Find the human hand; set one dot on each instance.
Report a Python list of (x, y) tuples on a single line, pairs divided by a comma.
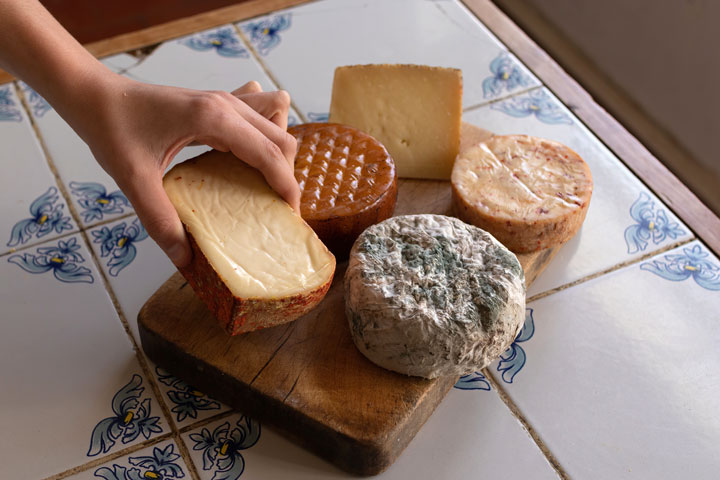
[(139, 128)]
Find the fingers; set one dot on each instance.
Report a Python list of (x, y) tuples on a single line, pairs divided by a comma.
[(260, 151), (274, 106), (267, 102), (158, 216), (250, 87)]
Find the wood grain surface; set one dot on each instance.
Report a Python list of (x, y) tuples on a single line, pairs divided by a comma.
[(306, 379)]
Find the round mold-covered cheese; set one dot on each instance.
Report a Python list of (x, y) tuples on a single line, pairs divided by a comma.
[(528, 192), (347, 182), (429, 295)]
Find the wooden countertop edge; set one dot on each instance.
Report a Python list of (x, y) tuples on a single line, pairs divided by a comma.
[(686, 205), (676, 195)]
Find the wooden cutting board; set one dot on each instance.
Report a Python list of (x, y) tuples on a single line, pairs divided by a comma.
[(306, 379)]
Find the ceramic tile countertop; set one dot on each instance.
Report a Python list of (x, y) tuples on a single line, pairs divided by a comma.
[(614, 375)]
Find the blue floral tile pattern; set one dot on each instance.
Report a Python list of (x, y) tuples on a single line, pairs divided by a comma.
[(318, 117), (513, 360), (692, 263), (651, 225), (223, 40), (96, 202), (131, 418), (118, 243), (506, 75), (9, 110), (537, 103), (221, 449), (265, 34), (38, 104), (63, 260), (473, 381), (161, 465), (292, 121), (188, 400), (46, 215)]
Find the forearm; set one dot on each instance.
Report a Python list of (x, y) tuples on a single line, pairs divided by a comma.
[(37, 49)]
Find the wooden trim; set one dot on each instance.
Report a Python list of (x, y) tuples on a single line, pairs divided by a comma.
[(186, 26), (662, 181), (5, 77)]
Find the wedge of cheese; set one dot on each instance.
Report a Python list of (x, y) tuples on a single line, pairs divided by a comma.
[(256, 263), (414, 110)]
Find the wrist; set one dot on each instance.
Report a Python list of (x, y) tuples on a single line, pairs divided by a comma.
[(85, 95)]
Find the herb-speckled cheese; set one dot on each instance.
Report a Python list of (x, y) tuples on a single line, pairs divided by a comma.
[(429, 295)]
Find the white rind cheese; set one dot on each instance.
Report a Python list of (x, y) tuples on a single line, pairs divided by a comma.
[(258, 246), (429, 295)]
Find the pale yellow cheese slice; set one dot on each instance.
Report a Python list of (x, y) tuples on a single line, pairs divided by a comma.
[(254, 241), (414, 110)]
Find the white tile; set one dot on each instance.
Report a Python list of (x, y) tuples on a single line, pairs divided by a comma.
[(215, 59), (94, 193), (302, 46), (186, 403), (618, 224), (72, 386), (162, 461), (471, 435), (619, 378), (32, 209), (220, 448), (134, 264)]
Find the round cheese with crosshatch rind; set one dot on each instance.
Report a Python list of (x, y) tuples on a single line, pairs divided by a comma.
[(347, 182), (429, 295)]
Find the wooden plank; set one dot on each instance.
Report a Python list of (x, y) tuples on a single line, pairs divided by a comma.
[(185, 26), (698, 217), (88, 21), (306, 379)]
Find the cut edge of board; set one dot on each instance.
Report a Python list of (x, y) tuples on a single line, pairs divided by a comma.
[(344, 451)]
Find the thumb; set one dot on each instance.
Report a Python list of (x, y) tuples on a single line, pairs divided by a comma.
[(159, 218)]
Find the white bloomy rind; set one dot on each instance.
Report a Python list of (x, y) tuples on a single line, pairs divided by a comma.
[(429, 295)]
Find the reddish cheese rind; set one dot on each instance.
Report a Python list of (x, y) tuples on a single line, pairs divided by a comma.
[(347, 179), (241, 315), (529, 193)]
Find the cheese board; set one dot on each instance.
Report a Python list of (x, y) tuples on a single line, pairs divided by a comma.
[(306, 379)]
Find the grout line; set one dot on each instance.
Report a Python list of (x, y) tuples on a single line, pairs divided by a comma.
[(173, 433), (142, 361), (63, 235), (515, 411), (501, 98), (206, 421), (614, 268), (48, 158), (30, 245), (267, 70), (109, 457)]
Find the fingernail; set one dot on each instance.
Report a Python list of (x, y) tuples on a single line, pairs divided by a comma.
[(177, 254)]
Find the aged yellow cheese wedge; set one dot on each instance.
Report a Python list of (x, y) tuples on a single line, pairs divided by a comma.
[(414, 110), (256, 263)]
